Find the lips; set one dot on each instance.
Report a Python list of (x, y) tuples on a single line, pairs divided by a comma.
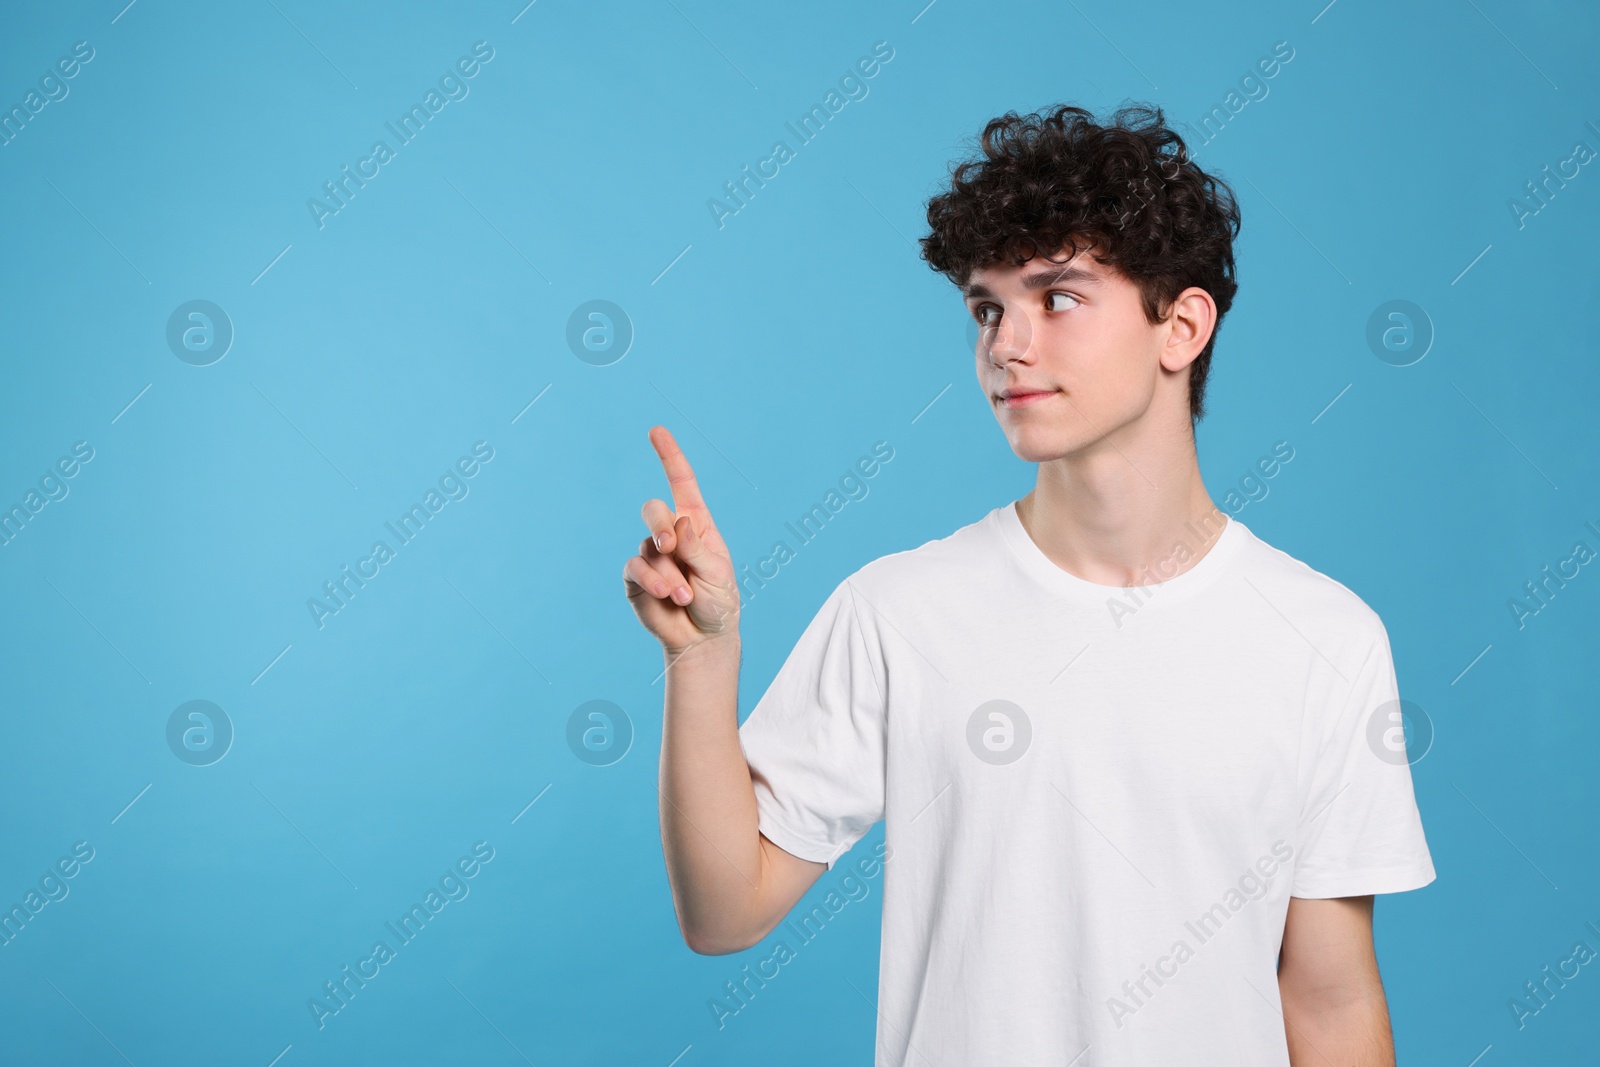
[(1022, 399), (1021, 390)]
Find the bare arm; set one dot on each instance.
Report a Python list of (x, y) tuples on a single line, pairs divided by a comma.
[(1334, 1009), (730, 884)]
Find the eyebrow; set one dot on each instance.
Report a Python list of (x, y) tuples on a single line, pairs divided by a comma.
[(1042, 280)]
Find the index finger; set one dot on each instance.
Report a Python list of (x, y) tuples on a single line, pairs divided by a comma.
[(680, 476)]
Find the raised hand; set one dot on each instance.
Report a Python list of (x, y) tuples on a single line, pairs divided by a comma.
[(682, 583)]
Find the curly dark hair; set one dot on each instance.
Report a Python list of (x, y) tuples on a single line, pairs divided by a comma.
[(1056, 179)]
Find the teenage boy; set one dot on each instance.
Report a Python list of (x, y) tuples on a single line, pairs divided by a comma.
[(1138, 769)]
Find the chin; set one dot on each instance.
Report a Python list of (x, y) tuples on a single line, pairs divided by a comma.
[(1065, 434), (1031, 446)]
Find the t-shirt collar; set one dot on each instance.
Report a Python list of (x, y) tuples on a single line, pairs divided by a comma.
[(1052, 576)]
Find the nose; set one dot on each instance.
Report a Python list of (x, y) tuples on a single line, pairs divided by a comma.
[(1007, 340)]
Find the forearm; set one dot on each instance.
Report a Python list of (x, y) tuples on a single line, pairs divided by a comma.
[(1336, 1029), (709, 828)]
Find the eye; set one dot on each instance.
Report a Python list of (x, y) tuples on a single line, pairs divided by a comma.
[(979, 312), (1068, 296)]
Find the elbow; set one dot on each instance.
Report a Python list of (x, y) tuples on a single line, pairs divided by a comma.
[(724, 942), (703, 945)]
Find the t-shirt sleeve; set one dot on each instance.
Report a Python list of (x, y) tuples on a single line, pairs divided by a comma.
[(1360, 831), (815, 739)]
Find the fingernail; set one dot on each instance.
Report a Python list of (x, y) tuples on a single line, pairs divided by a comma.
[(657, 539), (681, 594)]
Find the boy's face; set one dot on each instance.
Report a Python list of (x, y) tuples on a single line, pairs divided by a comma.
[(1076, 333)]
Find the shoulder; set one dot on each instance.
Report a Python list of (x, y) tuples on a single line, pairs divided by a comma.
[(957, 555), (1306, 595)]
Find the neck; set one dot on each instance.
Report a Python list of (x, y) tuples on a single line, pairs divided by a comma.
[(1123, 514)]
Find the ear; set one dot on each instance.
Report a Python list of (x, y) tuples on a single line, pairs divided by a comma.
[(1190, 323)]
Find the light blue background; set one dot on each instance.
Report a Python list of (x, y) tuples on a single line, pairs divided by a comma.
[(430, 311)]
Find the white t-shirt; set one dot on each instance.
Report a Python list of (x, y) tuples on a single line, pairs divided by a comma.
[(1097, 800)]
